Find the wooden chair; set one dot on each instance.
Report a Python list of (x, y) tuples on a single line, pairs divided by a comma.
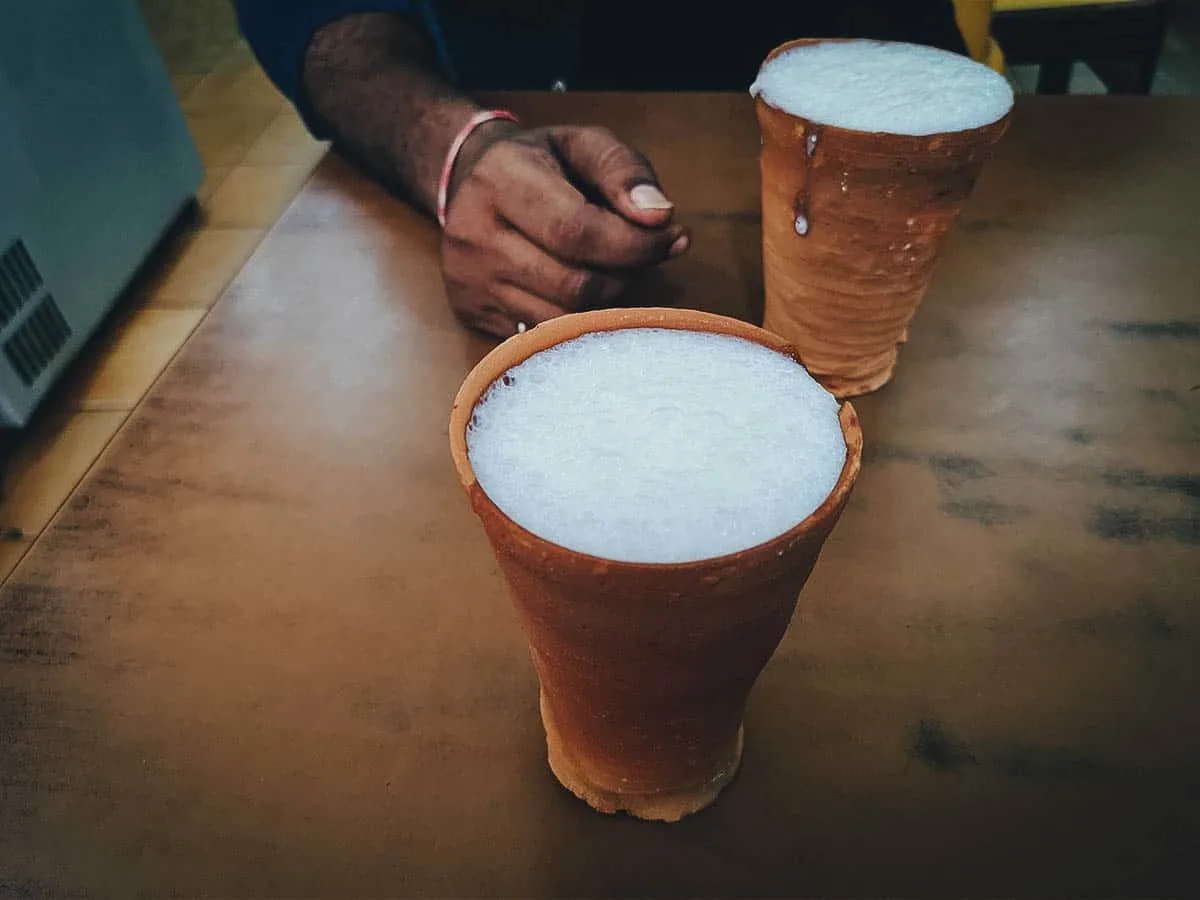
[(975, 23), (1120, 40)]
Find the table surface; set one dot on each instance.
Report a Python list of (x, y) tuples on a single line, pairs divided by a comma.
[(265, 648)]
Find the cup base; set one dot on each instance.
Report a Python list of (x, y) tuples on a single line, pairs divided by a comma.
[(663, 806), (846, 388), (843, 374)]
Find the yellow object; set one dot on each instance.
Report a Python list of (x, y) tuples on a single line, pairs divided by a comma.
[(1014, 5), (974, 19)]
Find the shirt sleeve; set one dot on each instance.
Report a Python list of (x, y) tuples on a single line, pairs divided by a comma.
[(279, 35)]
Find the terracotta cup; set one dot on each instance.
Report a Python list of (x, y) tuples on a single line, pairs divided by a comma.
[(852, 224), (645, 668)]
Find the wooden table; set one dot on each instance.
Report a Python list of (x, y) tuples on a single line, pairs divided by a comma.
[(266, 651)]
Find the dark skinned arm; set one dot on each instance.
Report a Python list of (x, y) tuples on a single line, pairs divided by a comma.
[(522, 242)]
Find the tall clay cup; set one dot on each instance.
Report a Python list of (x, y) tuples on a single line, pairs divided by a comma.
[(644, 668), (852, 224)]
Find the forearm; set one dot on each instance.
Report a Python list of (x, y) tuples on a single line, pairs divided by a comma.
[(373, 80)]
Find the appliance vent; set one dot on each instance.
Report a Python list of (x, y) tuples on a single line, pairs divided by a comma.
[(20, 281), (33, 346)]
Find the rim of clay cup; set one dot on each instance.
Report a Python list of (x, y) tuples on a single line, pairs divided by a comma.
[(914, 139), (515, 350)]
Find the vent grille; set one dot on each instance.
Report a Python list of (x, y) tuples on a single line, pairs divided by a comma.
[(33, 346), (20, 281)]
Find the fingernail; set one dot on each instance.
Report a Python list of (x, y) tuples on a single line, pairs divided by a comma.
[(681, 244), (647, 196)]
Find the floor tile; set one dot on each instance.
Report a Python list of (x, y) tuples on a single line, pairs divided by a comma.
[(193, 35), (196, 272), (183, 82), (1083, 80), (237, 82), (255, 196), (223, 136), (286, 142), (213, 176), (50, 462), (122, 366)]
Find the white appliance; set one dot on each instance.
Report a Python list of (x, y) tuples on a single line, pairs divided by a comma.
[(95, 163)]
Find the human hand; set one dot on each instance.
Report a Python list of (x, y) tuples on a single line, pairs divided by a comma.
[(546, 221)]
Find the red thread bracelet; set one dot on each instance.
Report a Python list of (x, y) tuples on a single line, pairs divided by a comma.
[(480, 118)]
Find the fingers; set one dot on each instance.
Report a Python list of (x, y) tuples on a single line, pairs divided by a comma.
[(621, 174), (489, 320), (530, 268), (505, 311), (522, 244), (523, 308), (544, 206), (496, 307)]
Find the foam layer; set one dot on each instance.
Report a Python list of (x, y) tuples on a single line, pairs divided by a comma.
[(883, 87), (657, 445)]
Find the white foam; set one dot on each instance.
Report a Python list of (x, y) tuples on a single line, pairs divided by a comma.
[(884, 87), (657, 445)]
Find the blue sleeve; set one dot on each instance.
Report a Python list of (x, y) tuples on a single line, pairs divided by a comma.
[(279, 34)]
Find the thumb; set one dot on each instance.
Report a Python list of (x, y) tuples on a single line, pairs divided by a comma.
[(615, 170)]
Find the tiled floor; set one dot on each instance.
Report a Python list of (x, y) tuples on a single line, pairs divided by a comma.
[(257, 155)]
